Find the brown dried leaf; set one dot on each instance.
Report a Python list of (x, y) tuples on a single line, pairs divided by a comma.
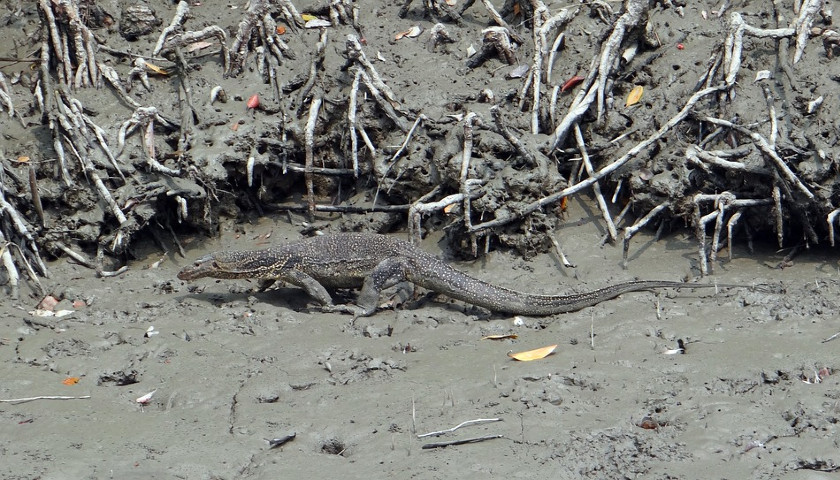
[(635, 95), (500, 337), (536, 354), (156, 69)]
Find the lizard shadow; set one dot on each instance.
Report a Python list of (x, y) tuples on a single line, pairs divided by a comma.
[(297, 300), (290, 298)]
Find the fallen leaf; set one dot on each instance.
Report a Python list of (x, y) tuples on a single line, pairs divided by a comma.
[(761, 75), (500, 337), (281, 30), (307, 17), (533, 354), (198, 46), (253, 101), (48, 303), (146, 398), (635, 95), (23, 159), (571, 83), (448, 209), (519, 71), (71, 380), (156, 69), (317, 23), (410, 33)]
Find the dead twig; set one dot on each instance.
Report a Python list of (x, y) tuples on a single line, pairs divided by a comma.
[(15, 401), (596, 188), (460, 442), (309, 143), (478, 421)]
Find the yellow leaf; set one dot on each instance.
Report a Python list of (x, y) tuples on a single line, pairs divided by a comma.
[(533, 354), (500, 337), (635, 95), (199, 45), (307, 17), (70, 380), (23, 159), (156, 69)]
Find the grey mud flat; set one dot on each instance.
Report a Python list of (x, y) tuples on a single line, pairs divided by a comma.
[(233, 369)]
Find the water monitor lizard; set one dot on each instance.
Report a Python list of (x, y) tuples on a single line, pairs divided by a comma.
[(375, 262)]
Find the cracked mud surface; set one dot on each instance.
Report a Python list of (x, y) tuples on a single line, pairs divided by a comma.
[(233, 369)]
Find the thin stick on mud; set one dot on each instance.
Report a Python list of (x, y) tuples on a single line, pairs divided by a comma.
[(633, 229), (309, 143), (596, 187), (11, 269), (366, 139), (460, 442), (79, 258), (478, 421), (466, 156), (15, 401), (351, 122), (420, 118), (560, 254)]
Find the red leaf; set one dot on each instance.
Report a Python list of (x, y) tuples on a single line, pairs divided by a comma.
[(254, 101), (571, 83)]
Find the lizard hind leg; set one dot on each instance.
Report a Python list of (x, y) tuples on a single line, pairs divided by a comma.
[(386, 274)]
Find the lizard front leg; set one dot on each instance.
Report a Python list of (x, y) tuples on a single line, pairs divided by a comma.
[(387, 273), (309, 284), (316, 291)]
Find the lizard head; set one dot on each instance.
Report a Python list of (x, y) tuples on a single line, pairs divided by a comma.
[(242, 264)]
